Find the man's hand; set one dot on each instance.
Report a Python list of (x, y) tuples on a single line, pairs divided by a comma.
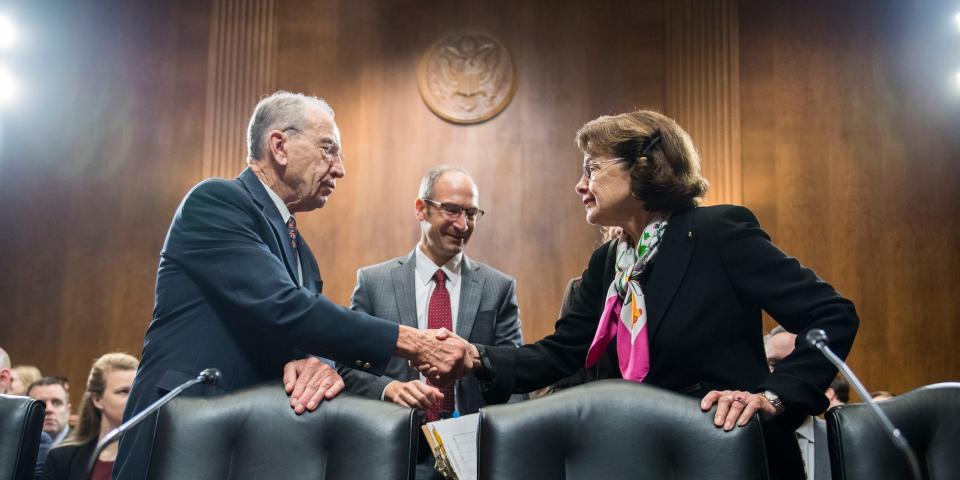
[(735, 407), (432, 351), (413, 394), (309, 382)]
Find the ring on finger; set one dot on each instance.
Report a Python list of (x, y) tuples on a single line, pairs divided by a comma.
[(739, 399)]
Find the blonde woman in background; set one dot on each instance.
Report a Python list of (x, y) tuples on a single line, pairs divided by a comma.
[(21, 378), (101, 411)]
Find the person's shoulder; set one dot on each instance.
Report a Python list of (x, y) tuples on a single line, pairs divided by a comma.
[(718, 216), (217, 187), (383, 267), (490, 272)]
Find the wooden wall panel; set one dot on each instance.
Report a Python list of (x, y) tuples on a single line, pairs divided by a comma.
[(851, 160), (703, 88), (849, 155)]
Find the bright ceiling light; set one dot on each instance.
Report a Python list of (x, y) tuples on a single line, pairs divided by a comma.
[(8, 34), (8, 87), (957, 78), (957, 19)]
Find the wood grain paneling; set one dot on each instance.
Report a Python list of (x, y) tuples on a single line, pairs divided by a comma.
[(240, 70), (849, 153), (851, 160), (703, 88)]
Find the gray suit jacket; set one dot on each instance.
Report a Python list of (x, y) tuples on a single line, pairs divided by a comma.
[(488, 315)]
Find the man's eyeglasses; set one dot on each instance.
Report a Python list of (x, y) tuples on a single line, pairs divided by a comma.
[(329, 149), (453, 210), (591, 168)]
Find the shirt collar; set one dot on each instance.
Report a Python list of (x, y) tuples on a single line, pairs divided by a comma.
[(427, 268), (281, 207), (806, 429)]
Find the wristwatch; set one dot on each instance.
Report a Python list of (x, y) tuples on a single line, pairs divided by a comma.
[(774, 400)]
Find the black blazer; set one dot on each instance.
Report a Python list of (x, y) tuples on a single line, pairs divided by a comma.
[(714, 273), (69, 462), (227, 297)]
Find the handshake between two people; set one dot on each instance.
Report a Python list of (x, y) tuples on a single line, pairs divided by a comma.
[(439, 355)]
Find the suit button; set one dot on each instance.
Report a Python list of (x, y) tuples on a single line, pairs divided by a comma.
[(367, 365)]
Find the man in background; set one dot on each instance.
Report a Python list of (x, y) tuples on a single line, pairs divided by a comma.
[(45, 440), (437, 286), (812, 433), (52, 391)]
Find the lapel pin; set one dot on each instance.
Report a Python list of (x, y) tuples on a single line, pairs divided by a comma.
[(690, 234)]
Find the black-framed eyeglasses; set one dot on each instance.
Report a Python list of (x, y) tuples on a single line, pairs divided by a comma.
[(592, 168), (454, 211), (331, 149)]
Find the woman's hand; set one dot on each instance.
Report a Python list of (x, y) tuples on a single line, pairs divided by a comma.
[(735, 407)]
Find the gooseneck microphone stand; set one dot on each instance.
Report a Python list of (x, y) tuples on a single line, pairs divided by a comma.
[(210, 376), (817, 338)]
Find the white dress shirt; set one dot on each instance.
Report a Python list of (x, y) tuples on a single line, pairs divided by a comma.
[(425, 285)]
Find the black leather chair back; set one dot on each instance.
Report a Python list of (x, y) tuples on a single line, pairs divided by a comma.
[(615, 429), (928, 417), (254, 434), (21, 422)]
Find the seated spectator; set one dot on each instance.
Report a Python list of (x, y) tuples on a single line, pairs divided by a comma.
[(881, 395), (5, 383), (23, 376), (812, 433), (53, 392), (101, 411), (839, 392)]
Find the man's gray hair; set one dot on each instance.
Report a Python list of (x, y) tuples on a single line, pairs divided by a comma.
[(279, 111), (429, 180)]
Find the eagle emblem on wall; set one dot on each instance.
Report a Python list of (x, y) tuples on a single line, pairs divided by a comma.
[(467, 77)]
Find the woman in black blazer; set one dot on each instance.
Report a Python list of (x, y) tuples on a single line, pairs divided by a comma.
[(102, 410), (675, 301)]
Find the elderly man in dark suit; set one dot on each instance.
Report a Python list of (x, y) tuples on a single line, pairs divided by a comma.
[(238, 288), (437, 286)]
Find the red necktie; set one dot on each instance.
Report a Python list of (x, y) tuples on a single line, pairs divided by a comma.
[(439, 316), (292, 232)]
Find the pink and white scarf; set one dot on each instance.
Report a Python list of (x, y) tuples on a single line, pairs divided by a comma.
[(625, 311)]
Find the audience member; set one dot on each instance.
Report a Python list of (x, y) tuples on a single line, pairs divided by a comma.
[(101, 411), (53, 392), (436, 285), (23, 376), (812, 433), (839, 392), (45, 440), (881, 395)]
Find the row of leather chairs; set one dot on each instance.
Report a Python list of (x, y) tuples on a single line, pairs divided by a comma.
[(608, 429)]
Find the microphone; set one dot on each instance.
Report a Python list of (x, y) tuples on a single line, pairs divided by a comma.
[(817, 338), (209, 376)]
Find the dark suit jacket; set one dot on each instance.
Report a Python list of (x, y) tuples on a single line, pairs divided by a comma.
[(69, 462), (227, 297), (714, 273), (488, 314)]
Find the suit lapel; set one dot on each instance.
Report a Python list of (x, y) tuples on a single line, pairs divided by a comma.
[(262, 198), (471, 290), (670, 266), (311, 272), (403, 276)]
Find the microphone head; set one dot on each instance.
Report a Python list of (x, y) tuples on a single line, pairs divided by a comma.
[(210, 376), (817, 338)]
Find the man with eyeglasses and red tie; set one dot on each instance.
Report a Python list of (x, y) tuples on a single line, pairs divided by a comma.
[(437, 286)]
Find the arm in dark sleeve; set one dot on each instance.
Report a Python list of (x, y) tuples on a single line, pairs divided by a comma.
[(797, 299), (214, 239), (521, 370), (358, 381)]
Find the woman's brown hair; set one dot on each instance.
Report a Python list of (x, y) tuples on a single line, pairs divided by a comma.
[(664, 165)]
